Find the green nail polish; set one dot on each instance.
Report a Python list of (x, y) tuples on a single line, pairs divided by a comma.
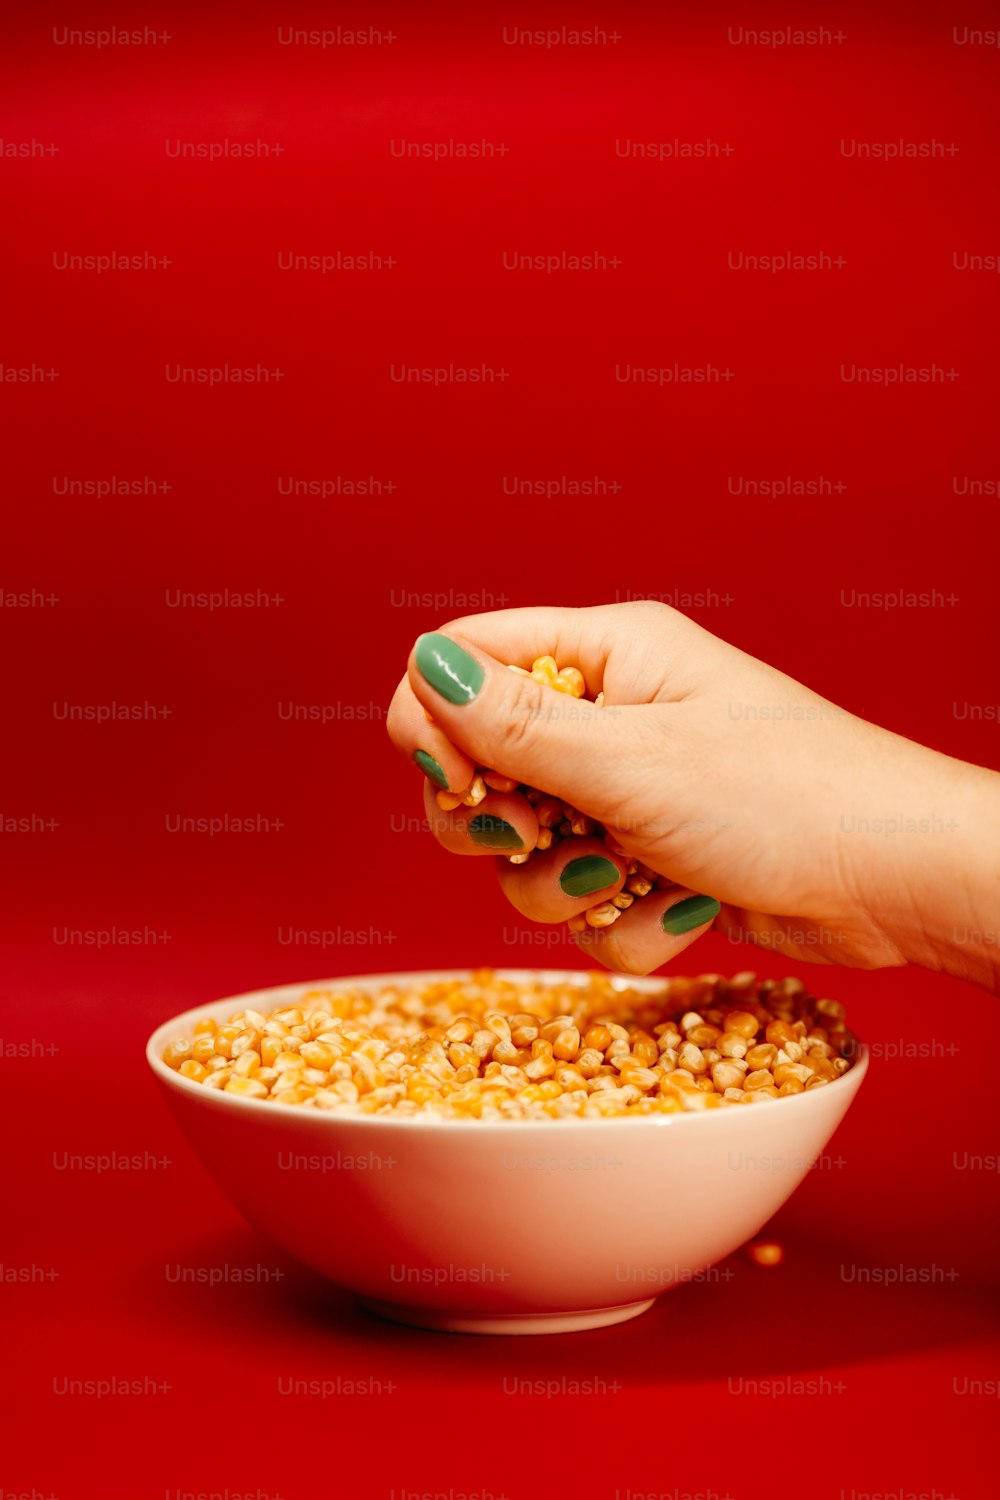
[(494, 833), (590, 873), (431, 769), (688, 914), (451, 671)]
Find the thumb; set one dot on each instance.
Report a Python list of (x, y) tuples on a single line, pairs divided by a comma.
[(511, 724)]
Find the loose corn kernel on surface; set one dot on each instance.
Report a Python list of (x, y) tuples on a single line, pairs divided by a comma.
[(486, 1048)]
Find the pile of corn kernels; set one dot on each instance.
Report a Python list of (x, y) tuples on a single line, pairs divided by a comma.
[(557, 820), (491, 1048)]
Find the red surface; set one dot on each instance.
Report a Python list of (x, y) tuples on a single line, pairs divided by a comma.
[(894, 1193)]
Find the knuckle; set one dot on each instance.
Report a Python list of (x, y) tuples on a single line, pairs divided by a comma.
[(612, 954), (605, 947), (395, 719), (517, 713), (654, 610)]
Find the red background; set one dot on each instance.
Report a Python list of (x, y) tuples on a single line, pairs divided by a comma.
[(340, 634)]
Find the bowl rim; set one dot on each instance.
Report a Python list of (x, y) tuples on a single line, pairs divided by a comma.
[(218, 1099)]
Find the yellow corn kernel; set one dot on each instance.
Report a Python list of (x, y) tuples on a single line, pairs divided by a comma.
[(475, 794), (570, 1078), (299, 1093), (597, 1038), (573, 679), (588, 1061), (680, 1078), (759, 1079), (498, 783), (567, 1044), (646, 1051), (765, 1253), (822, 1067), (726, 1075), (175, 1053), (742, 1023), (318, 1055), (780, 1033), (602, 915), (790, 1073), (692, 1059), (483, 1041), (503, 1050), (763, 1056), (248, 1087), (641, 1078), (290, 1016), (287, 1062), (271, 1048), (549, 813)]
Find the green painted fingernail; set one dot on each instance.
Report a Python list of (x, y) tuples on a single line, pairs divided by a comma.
[(690, 913), (588, 874), (431, 769), (451, 671), (494, 833)]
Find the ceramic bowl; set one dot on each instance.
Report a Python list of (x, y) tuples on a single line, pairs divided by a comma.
[(499, 1226)]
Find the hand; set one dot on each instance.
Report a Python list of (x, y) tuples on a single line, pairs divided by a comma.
[(816, 832)]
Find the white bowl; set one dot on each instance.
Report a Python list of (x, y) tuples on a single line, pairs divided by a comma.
[(515, 1226)]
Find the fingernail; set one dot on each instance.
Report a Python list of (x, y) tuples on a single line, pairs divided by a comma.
[(588, 874), (450, 671), (692, 912), (431, 769), (494, 833)]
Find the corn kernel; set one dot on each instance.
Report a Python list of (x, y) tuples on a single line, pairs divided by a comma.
[(765, 1253), (248, 1087), (492, 1048)]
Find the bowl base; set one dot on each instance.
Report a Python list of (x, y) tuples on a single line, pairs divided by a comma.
[(508, 1323)]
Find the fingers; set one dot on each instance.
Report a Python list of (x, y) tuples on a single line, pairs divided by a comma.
[(503, 823), (423, 742), (563, 882), (586, 755), (575, 637), (631, 644), (651, 932)]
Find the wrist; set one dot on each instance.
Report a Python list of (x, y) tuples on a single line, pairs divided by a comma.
[(954, 887)]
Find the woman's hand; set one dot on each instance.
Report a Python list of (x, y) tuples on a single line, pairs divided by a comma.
[(781, 818)]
